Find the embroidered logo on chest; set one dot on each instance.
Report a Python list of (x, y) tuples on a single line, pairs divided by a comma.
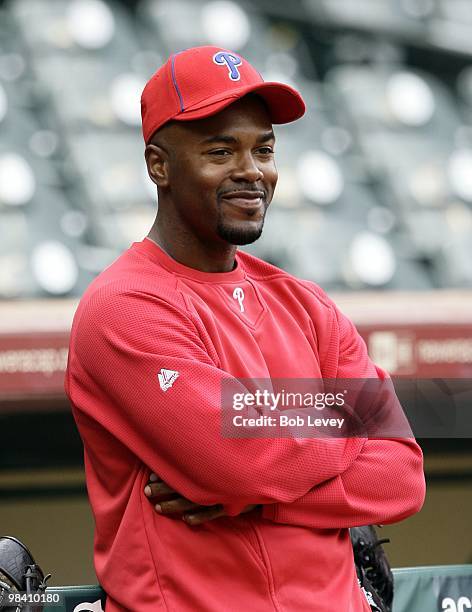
[(238, 294)]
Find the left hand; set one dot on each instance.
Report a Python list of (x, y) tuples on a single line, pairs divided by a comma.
[(169, 501)]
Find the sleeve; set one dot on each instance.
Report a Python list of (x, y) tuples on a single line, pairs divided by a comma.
[(384, 484), (119, 346)]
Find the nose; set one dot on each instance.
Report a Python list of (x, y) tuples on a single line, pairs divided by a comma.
[(246, 169)]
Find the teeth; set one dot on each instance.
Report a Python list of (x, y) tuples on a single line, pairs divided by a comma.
[(244, 197)]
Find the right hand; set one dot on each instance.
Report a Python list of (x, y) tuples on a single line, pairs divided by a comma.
[(168, 501)]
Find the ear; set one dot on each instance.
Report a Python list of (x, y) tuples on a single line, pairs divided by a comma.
[(157, 162)]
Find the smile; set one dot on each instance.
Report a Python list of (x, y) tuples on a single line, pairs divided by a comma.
[(249, 200)]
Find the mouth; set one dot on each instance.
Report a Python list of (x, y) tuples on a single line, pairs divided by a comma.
[(249, 200)]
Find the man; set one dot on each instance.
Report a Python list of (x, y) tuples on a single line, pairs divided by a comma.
[(158, 332)]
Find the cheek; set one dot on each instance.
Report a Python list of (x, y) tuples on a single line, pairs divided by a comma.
[(210, 179), (186, 182), (271, 176), (198, 176)]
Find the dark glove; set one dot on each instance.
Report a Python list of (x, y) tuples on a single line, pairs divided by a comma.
[(19, 573), (373, 568)]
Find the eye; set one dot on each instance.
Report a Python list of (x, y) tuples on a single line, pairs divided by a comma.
[(219, 152), (265, 150)]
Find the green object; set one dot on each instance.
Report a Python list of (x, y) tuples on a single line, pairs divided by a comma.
[(436, 588), (80, 598)]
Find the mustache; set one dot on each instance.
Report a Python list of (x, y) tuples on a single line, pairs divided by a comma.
[(242, 187)]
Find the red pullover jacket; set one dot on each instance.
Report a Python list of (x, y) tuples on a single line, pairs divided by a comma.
[(146, 314)]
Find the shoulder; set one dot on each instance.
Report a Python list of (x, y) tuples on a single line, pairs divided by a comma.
[(280, 281), (126, 289), (338, 341)]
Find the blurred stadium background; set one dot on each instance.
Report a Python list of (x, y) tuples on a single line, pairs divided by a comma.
[(374, 203)]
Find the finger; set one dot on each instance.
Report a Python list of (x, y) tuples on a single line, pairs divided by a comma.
[(157, 489), (209, 514), (176, 505), (153, 477), (197, 518)]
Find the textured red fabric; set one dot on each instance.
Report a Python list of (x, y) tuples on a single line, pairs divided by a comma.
[(147, 312)]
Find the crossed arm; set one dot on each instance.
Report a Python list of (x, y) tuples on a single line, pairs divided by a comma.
[(177, 434), (364, 494)]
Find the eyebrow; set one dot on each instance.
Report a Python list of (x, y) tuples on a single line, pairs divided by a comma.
[(265, 137)]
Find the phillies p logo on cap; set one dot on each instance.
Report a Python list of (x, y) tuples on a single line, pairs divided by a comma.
[(232, 61)]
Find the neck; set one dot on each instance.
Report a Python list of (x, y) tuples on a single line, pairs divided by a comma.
[(193, 253)]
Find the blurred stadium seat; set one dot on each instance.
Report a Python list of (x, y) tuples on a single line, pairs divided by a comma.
[(374, 181), (380, 15)]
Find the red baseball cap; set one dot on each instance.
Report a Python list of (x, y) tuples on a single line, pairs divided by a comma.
[(202, 81)]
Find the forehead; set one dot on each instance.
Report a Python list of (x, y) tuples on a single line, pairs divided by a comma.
[(246, 117)]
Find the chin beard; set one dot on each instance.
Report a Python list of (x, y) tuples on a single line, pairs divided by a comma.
[(239, 235)]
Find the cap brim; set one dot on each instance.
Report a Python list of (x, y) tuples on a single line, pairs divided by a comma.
[(284, 103)]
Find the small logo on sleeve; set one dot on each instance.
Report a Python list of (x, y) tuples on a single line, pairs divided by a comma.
[(167, 378)]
